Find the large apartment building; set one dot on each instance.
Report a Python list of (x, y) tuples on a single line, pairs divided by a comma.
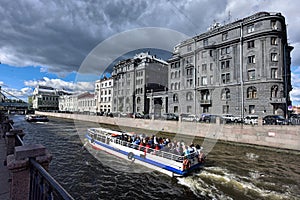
[(239, 68), (134, 78)]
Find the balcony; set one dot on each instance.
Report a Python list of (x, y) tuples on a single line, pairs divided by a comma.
[(205, 102), (275, 100)]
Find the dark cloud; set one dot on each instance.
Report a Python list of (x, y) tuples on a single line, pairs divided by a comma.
[(60, 34)]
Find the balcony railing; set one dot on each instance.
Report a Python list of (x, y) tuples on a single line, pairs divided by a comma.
[(277, 100), (205, 102)]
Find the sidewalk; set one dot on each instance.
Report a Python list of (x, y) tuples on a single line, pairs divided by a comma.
[(4, 172)]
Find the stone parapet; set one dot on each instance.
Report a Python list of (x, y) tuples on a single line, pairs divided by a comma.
[(19, 166), (285, 137)]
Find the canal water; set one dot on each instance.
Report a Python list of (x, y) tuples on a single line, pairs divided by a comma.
[(232, 171)]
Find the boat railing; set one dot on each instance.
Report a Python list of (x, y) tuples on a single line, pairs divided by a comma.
[(159, 153)]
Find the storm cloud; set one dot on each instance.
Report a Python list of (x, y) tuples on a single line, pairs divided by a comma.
[(58, 35)]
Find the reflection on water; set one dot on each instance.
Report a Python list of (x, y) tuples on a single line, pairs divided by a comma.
[(231, 171)]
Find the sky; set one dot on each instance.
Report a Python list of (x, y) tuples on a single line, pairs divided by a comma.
[(52, 42)]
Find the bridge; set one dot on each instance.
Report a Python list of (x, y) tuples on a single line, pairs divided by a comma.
[(10, 106)]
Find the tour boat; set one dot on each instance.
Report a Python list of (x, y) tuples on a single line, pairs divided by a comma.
[(161, 160), (36, 118)]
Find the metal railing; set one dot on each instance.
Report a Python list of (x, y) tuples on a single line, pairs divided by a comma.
[(160, 153), (42, 184)]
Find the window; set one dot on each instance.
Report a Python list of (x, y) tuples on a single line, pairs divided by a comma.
[(189, 71), (250, 28), (225, 94), (189, 96), (274, 41), (251, 109), (176, 86), (225, 78), (172, 75), (274, 73), (210, 66), (223, 51), (204, 80), (175, 97), (274, 57), (204, 67), (189, 60), (189, 109), (225, 64), (274, 91), (225, 36), (225, 109), (251, 44), (211, 53), (175, 109), (172, 86), (138, 100), (251, 92), (273, 24), (203, 54), (189, 82), (251, 59), (251, 74), (205, 42), (189, 47)]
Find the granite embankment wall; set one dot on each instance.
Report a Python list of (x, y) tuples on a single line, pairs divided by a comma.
[(284, 137)]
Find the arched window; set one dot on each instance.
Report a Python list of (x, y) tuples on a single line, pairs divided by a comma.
[(176, 74), (175, 97), (189, 96), (127, 100), (138, 100), (251, 92), (176, 86), (274, 91), (172, 86), (225, 94), (172, 75)]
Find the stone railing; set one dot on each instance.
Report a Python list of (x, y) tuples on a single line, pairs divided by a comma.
[(28, 165)]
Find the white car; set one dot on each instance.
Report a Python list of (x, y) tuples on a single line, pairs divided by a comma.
[(251, 119), (231, 118), (190, 118)]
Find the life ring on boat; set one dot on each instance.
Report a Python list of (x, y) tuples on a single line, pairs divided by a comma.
[(130, 155), (186, 164)]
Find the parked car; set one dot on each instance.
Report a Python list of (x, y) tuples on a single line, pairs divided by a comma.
[(190, 118), (251, 119), (209, 118), (229, 118), (274, 120), (139, 115), (169, 116)]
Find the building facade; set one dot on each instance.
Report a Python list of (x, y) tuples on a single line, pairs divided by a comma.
[(240, 68), (86, 103), (45, 98), (103, 94), (134, 78), (68, 103)]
